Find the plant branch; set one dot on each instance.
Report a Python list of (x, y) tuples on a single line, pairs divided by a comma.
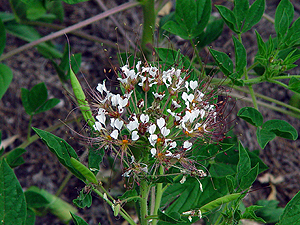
[(71, 28)]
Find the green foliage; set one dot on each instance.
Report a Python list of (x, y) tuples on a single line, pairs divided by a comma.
[(41, 200), (291, 215), (270, 212), (35, 100), (89, 176), (272, 128), (251, 115), (14, 158), (77, 220), (5, 78), (12, 199), (84, 199), (61, 149), (190, 18)]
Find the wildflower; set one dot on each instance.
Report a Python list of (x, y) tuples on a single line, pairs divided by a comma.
[(164, 129)]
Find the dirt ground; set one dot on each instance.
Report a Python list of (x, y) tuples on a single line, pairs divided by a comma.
[(43, 170)]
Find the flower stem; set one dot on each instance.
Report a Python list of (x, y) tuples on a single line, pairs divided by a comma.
[(149, 24), (143, 202), (158, 196)]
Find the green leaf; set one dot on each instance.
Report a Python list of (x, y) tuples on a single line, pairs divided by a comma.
[(213, 30), (250, 213), (244, 164), (56, 206), (2, 37), (35, 100), (191, 17), (49, 104), (131, 195), (248, 179), (283, 16), (223, 61), (283, 26), (30, 218), (14, 158), (35, 10), (291, 213), (172, 218), (5, 78), (254, 14), (240, 11), (229, 17), (273, 128), (178, 196), (270, 212), (240, 57), (12, 199), (251, 115), (84, 171), (294, 85), (61, 149), (95, 158), (84, 199), (293, 35), (262, 48), (77, 220), (35, 199)]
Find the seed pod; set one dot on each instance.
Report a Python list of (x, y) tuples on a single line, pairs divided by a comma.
[(81, 100)]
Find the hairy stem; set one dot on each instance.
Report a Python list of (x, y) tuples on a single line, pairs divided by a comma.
[(148, 26), (144, 201)]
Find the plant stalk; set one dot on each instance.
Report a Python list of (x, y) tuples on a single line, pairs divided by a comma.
[(144, 201), (148, 26), (158, 196)]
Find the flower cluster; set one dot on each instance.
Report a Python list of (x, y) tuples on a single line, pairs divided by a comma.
[(161, 113)]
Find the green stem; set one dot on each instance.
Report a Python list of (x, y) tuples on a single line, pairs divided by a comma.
[(198, 58), (285, 77), (144, 201), (158, 196), (149, 25), (279, 83), (29, 127), (124, 215)]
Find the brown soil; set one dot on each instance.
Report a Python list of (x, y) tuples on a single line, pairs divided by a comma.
[(43, 170)]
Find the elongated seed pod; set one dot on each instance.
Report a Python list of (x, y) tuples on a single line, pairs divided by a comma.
[(81, 100)]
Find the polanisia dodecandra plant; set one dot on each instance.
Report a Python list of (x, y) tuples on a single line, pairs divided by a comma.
[(155, 122)]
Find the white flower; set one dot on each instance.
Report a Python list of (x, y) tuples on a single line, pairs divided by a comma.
[(101, 118), (158, 96), (132, 125), (114, 134), (138, 65), (183, 179), (153, 152), (134, 135), (193, 84), (175, 104), (187, 97), (144, 118), (187, 145), (102, 87), (98, 126), (152, 129), (199, 95), (160, 122), (118, 124), (173, 145), (165, 132), (152, 139)]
